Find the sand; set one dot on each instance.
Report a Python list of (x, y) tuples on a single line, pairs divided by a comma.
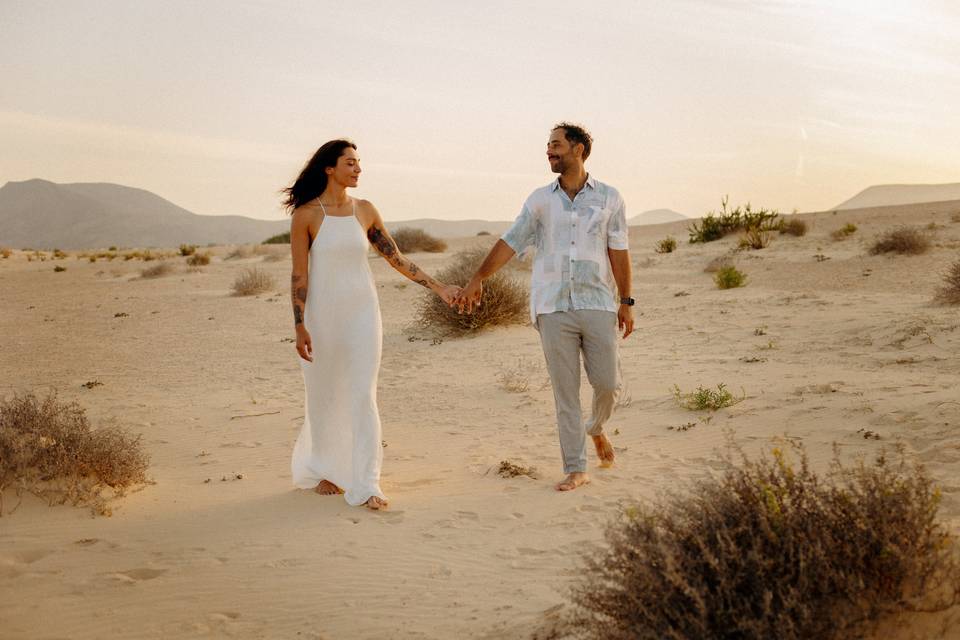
[(821, 350)]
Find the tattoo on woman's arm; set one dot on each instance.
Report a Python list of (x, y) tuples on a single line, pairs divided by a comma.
[(381, 242), (298, 295)]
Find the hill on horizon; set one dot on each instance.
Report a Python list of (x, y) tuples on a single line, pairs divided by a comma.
[(656, 216), (43, 215), (884, 195)]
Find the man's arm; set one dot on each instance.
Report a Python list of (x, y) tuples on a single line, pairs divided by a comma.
[(620, 265), (469, 296)]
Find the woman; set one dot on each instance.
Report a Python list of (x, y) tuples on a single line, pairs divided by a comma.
[(337, 318)]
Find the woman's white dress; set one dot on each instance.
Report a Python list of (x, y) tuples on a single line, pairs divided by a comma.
[(341, 440)]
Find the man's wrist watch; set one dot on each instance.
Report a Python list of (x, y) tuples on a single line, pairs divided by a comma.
[(628, 301)]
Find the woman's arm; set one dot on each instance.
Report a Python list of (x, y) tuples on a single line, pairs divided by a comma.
[(300, 251), (384, 244)]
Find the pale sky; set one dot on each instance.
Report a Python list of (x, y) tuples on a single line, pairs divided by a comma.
[(215, 105)]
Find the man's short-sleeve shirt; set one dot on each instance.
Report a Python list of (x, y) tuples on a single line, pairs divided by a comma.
[(571, 269)]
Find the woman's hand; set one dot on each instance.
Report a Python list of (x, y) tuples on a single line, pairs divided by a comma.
[(448, 293), (304, 343)]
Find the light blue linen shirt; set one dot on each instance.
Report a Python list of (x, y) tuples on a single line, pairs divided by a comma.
[(572, 268)]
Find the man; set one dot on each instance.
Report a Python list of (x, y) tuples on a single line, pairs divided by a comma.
[(579, 228)]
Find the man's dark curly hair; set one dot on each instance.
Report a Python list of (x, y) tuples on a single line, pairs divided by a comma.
[(574, 133)]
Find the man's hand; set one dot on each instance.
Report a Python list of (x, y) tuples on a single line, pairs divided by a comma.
[(469, 296), (625, 319), (304, 343), (448, 293)]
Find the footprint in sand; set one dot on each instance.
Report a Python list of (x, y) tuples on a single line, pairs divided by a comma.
[(133, 576)]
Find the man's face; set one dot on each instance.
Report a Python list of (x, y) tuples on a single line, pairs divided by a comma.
[(347, 171), (560, 153)]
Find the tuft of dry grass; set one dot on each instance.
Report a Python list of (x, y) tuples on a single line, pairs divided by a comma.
[(187, 249), (58, 268), (252, 281), (949, 291), (5, 253), (902, 240), (199, 259), (512, 470), (412, 240), (505, 298), (667, 245), (516, 379), (47, 448), (729, 278), (755, 238), (955, 217), (157, 271), (770, 549), (844, 232), (793, 227)]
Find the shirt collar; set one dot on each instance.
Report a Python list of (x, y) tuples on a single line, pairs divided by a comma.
[(591, 182)]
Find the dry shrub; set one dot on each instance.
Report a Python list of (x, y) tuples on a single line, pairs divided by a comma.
[(252, 281), (902, 240), (844, 232), (771, 550), (755, 238), (510, 469), (5, 253), (505, 298), (187, 249), (156, 271), (411, 240), (516, 379), (483, 233), (955, 217), (729, 278), (667, 245), (949, 291), (199, 259), (793, 227), (47, 448), (59, 268)]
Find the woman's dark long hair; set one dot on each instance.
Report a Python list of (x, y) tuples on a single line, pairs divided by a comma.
[(313, 179)]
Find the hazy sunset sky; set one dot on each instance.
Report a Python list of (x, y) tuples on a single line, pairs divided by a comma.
[(216, 105)]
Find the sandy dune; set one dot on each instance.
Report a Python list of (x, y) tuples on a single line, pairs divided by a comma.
[(848, 343)]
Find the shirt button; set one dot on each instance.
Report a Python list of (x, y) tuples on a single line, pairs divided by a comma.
[(573, 242)]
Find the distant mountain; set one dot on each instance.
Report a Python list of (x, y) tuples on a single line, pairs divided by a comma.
[(452, 228), (655, 216), (44, 215), (885, 195)]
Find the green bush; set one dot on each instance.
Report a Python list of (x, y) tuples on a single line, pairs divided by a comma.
[(729, 277), (770, 550), (714, 225), (844, 232), (702, 398)]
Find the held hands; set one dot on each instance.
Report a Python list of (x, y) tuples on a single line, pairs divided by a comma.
[(469, 297), (448, 293)]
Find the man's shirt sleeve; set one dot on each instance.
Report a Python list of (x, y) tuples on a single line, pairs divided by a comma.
[(617, 230), (522, 233)]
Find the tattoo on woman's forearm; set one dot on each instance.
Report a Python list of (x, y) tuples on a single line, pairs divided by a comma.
[(381, 242), (297, 315), (298, 295)]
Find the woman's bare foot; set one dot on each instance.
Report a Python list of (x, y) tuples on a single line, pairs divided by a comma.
[(376, 503), (327, 488), (572, 481), (604, 450)]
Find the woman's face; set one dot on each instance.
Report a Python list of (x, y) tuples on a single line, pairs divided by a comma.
[(347, 171)]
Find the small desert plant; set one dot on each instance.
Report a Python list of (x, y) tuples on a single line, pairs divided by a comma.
[(238, 253), (770, 549), (504, 301), (844, 232), (667, 245), (702, 398), (483, 233), (252, 281), (59, 268), (949, 291), (410, 240), (187, 249), (199, 259), (902, 240), (729, 278), (755, 238), (280, 238), (5, 253), (58, 255), (48, 448), (510, 469), (793, 227), (156, 271), (516, 379), (714, 226)]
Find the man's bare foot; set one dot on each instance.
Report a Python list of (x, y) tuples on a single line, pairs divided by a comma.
[(572, 481), (376, 504), (327, 488), (604, 450)]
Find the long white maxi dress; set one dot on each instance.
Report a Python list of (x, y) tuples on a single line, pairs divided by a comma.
[(340, 440)]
